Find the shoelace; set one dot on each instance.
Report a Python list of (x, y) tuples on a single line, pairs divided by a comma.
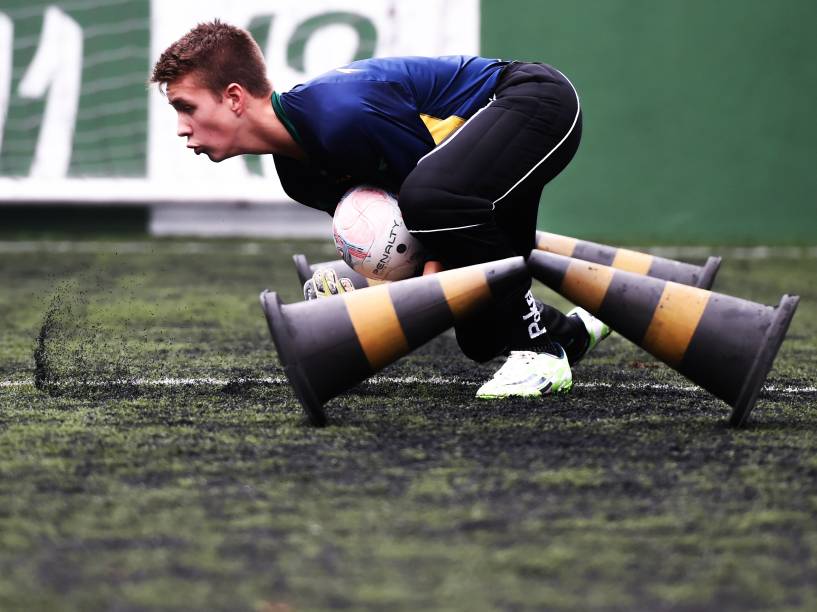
[(517, 359)]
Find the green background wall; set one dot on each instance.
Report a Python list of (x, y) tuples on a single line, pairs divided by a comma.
[(699, 121)]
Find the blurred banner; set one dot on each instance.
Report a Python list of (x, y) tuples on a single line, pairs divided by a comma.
[(697, 115), (78, 122)]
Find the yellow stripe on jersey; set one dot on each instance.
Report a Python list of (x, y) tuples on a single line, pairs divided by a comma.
[(441, 128)]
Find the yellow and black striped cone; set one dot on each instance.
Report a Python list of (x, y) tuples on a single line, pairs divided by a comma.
[(622, 259), (722, 343), (305, 271), (331, 344), (631, 261)]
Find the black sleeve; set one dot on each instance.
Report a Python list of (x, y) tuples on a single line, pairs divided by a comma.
[(307, 185)]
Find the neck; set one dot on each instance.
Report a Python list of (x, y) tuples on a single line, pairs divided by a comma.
[(266, 134)]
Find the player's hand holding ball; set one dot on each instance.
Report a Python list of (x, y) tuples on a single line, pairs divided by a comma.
[(325, 283)]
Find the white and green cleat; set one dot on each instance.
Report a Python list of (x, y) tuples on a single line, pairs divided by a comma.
[(596, 330), (529, 374)]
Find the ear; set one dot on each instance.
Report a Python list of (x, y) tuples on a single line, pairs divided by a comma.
[(236, 97)]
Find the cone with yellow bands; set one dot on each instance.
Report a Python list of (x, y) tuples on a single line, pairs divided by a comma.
[(621, 259), (631, 261), (722, 343), (329, 345)]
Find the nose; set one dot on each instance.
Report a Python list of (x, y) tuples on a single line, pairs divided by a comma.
[(183, 127)]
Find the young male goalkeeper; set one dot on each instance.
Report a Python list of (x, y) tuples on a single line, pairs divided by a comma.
[(467, 143)]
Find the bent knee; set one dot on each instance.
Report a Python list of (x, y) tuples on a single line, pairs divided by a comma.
[(417, 204)]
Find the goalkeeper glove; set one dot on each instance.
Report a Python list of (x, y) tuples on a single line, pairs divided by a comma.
[(324, 283)]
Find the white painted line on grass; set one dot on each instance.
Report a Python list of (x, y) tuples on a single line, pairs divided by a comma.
[(399, 380), (221, 382)]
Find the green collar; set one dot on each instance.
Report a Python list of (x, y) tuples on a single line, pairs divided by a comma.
[(279, 110)]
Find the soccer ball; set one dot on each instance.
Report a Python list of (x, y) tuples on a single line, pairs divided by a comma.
[(371, 237)]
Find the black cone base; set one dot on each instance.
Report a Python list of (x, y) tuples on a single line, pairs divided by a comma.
[(302, 267), (764, 359), (285, 345), (708, 272)]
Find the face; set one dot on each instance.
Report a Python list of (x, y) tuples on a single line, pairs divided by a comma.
[(209, 122)]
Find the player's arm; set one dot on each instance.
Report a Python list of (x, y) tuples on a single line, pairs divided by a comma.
[(379, 134), (307, 185), (398, 133)]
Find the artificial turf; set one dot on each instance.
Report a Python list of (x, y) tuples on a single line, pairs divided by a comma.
[(162, 462)]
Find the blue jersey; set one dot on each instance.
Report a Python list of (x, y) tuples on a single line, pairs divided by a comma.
[(371, 121)]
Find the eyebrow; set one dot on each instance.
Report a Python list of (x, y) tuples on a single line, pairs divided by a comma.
[(180, 101)]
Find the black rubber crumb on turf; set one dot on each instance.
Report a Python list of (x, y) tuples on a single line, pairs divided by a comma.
[(42, 369), (45, 375), (242, 383), (77, 359)]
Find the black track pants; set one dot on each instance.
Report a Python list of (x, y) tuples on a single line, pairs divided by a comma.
[(475, 197)]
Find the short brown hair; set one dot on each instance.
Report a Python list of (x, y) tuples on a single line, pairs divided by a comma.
[(219, 54)]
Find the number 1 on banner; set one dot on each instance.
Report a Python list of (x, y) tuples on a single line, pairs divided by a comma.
[(56, 68)]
